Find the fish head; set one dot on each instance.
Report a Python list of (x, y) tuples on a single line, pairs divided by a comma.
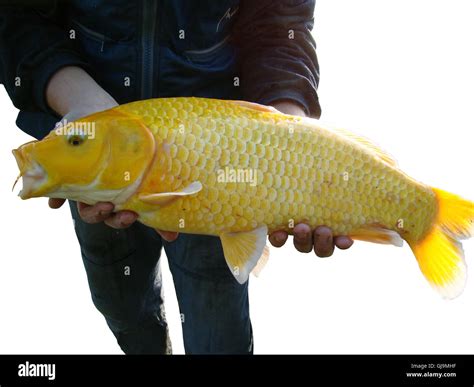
[(102, 157)]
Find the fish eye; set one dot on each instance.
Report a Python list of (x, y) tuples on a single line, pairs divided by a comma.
[(75, 139)]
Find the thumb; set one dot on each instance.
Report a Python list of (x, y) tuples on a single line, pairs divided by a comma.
[(167, 235), (55, 203)]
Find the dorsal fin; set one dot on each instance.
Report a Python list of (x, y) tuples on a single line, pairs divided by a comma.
[(368, 144), (256, 106)]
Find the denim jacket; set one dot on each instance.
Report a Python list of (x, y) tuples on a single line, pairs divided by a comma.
[(259, 51)]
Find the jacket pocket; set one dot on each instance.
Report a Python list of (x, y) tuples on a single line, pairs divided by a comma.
[(113, 63), (209, 53), (94, 35)]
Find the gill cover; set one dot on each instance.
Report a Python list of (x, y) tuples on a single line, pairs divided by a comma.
[(131, 150)]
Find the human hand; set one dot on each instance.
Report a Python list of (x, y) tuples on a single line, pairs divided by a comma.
[(288, 106), (321, 239), (168, 236), (100, 212)]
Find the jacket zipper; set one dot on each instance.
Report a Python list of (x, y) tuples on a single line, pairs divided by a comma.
[(148, 43)]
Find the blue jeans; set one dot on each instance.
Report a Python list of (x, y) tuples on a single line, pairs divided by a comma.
[(125, 281)]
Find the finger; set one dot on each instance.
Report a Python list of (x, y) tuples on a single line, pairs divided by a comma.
[(121, 219), (55, 202), (168, 235), (343, 242), (302, 238), (323, 242), (96, 213), (278, 238)]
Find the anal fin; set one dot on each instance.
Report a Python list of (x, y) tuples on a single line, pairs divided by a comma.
[(377, 234)]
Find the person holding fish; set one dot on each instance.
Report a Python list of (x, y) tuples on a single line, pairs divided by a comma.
[(69, 60)]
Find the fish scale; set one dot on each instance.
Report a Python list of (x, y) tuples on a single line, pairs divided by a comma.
[(239, 171), (300, 170)]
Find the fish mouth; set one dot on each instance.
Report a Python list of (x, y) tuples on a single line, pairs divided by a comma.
[(33, 175)]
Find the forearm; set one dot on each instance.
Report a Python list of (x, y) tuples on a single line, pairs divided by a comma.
[(33, 46), (276, 53), (71, 89)]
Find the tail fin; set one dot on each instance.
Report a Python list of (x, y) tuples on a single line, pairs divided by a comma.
[(440, 254)]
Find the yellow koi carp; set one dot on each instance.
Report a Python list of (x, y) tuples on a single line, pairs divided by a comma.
[(240, 170)]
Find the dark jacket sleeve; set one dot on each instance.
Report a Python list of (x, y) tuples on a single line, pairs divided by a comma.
[(33, 46), (276, 52)]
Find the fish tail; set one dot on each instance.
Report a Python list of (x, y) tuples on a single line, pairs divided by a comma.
[(439, 253)]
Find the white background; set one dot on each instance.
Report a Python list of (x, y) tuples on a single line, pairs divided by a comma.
[(399, 72)]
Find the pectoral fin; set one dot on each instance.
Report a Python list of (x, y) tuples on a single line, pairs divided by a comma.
[(242, 251), (163, 198)]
